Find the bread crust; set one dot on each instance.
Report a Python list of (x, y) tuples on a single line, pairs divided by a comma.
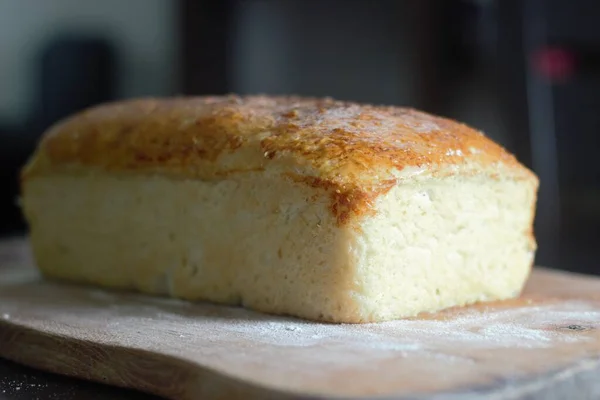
[(354, 151)]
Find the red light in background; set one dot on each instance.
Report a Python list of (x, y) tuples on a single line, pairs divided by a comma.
[(554, 63)]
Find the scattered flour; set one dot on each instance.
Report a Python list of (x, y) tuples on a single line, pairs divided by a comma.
[(424, 126), (235, 336), (293, 328), (452, 152), (527, 327), (532, 326)]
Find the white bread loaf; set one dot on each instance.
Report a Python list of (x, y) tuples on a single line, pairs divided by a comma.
[(315, 208)]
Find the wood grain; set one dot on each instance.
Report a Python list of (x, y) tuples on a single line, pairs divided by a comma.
[(545, 345)]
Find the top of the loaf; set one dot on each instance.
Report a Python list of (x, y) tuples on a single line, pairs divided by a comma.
[(341, 146)]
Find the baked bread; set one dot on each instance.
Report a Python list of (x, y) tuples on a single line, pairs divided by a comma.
[(315, 208)]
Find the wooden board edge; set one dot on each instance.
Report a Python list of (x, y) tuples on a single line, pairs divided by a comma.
[(94, 362), (577, 381)]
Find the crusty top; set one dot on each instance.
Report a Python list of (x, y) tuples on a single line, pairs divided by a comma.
[(356, 151)]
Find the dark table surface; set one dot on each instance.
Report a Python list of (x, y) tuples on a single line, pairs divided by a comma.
[(21, 383)]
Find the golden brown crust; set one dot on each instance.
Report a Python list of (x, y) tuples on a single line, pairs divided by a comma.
[(354, 150)]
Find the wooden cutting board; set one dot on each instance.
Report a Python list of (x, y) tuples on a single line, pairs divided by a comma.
[(545, 345)]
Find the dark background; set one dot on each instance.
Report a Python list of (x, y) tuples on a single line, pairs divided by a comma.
[(525, 72)]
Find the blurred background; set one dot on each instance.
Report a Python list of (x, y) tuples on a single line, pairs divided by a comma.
[(525, 72)]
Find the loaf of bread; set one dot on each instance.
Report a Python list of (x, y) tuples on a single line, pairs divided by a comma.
[(315, 208)]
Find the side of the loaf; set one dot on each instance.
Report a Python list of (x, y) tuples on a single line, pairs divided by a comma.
[(273, 245), (265, 242)]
